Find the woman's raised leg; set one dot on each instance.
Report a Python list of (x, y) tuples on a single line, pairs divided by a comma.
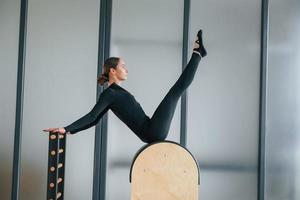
[(160, 121)]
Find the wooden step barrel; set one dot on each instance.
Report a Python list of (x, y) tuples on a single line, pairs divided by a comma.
[(164, 171)]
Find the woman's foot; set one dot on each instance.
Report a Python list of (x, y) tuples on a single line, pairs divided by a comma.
[(198, 46)]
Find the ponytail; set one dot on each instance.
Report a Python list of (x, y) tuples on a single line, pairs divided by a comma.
[(111, 62), (102, 79)]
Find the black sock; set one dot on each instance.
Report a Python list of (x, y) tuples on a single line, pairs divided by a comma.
[(199, 47)]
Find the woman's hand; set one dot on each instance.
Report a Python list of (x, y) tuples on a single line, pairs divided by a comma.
[(55, 130)]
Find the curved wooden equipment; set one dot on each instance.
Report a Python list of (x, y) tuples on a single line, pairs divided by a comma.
[(164, 171)]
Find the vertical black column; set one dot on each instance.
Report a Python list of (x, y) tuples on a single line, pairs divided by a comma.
[(19, 102), (108, 17), (100, 150), (183, 114), (263, 96)]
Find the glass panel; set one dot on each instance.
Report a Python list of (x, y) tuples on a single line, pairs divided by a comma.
[(9, 40), (148, 36), (60, 87), (223, 100), (283, 107)]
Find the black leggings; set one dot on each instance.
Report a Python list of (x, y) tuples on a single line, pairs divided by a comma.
[(158, 126)]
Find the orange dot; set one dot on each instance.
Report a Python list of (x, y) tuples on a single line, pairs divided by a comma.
[(52, 137)]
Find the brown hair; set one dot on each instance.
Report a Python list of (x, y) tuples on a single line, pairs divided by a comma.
[(109, 63)]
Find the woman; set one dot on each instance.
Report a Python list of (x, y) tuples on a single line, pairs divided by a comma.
[(127, 109)]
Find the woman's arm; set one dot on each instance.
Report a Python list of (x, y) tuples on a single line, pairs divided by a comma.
[(91, 118)]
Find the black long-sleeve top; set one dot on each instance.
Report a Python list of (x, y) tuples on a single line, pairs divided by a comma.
[(122, 104)]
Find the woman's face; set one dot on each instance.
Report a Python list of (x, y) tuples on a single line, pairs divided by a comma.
[(121, 71)]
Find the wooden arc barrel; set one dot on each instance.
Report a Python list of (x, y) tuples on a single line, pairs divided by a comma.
[(164, 171)]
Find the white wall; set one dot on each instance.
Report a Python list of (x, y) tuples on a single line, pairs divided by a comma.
[(148, 36), (60, 87), (9, 37), (223, 101), (283, 107)]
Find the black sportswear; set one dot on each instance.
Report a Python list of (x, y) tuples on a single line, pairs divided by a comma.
[(126, 108)]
